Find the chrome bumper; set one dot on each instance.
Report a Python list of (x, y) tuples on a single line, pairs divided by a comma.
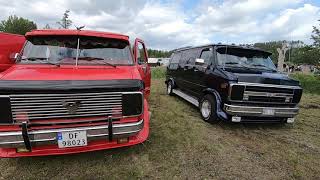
[(257, 111), (15, 138)]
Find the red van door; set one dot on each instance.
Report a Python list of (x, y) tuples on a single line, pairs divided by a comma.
[(9, 44), (141, 58)]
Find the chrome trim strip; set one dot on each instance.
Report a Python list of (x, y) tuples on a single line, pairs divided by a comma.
[(49, 135), (267, 85), (258, 111)]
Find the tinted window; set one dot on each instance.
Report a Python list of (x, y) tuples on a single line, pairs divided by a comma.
[(175, 58), (189, 56), (174, 61), (207, 55)]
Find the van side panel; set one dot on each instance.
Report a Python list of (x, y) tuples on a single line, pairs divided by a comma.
[(9, 43)]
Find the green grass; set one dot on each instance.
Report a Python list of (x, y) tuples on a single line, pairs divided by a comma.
[(310, 83), (182, 146), (158, 72)]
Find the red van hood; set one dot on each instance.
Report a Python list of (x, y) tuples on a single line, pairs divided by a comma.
[(44, 72)]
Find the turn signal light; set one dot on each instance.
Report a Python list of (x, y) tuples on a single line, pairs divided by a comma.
[(22, 150), (123, 140)]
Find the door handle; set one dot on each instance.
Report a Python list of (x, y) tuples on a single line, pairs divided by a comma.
[(195, 70)]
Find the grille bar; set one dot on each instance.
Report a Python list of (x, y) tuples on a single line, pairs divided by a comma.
[(50, 106), (267, 93)]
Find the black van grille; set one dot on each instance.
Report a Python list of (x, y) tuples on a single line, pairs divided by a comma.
[(261, 93)]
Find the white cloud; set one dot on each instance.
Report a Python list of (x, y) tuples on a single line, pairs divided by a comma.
[(167, 25)]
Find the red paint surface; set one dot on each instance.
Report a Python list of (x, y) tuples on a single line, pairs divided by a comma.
[(92, 146), (69, 72), (9, 43), (67, 32)]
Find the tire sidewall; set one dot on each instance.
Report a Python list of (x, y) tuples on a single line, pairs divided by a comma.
[(212, 117), (170, 84)]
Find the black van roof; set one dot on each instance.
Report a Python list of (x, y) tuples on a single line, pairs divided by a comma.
[(221, 45)]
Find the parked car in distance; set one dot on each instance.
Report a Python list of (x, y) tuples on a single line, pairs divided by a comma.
[(71, 91), (233, 83)]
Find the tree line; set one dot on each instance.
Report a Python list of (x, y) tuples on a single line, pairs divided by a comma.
[(299, 53)]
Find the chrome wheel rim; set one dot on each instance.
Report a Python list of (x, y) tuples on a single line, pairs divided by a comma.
[(206, 109), (169, 88)]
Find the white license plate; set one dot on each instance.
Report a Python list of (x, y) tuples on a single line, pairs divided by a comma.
[(72, 139), (268, 112)]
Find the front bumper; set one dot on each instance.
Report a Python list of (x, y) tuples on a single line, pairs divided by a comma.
[(256, 111), (44, 142), (38, 137)]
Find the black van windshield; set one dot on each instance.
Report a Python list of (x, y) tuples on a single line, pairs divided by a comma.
[(64, 50), (244, 58)]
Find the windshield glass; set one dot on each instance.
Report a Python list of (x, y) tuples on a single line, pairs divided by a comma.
[(244, 58), (63, 50)]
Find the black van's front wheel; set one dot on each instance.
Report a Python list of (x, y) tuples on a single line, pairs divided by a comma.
[(170, 88), (208, 109)]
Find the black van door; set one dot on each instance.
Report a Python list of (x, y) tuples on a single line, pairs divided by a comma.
[(199, 75), (187, 71)]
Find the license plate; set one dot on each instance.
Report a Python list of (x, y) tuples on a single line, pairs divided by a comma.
[(72, 139), (268, 112)]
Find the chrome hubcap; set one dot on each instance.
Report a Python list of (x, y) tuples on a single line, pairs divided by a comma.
[(169, 88), (206, 109)]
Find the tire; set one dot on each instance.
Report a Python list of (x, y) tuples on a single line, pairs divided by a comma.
[(170, 87), (208, 108)]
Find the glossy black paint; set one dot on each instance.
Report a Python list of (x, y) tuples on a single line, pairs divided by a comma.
[(196, 80)]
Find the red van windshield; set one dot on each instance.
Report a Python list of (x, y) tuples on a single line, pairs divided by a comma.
[(68, 49)]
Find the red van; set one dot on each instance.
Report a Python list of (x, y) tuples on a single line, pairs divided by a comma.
[(71, 91)]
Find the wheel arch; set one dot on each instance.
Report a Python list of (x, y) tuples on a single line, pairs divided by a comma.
[(172, 80), (220, 113)]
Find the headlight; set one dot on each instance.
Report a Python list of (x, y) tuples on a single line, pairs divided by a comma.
[(132, 104), (236, 92), (5, 110)]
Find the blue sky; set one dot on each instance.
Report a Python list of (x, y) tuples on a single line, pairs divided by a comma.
[(169, 24)]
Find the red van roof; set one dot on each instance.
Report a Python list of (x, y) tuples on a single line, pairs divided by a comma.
[(66, 32)]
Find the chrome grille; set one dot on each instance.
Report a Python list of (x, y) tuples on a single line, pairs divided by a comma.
[(268, 94), (56, 106)]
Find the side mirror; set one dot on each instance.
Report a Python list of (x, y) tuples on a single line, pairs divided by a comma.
[(14, 56), (199, 62)]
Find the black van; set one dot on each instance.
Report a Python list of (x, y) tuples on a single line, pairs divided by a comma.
[(233, 83)]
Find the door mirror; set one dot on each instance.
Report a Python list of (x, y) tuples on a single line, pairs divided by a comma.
[(199, 62), (14, 56)]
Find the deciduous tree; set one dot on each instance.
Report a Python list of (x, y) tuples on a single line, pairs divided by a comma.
[(17, 25)]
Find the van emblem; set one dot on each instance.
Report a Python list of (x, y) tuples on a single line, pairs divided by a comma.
[(72, 107)]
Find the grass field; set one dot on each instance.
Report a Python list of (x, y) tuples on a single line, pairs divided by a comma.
[(182, 146)]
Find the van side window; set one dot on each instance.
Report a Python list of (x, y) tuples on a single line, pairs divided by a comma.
[(174, 61), (207, 56), (190, 56)]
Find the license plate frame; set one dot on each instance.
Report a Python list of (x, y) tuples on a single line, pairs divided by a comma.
[(268, 111), (69, 139)]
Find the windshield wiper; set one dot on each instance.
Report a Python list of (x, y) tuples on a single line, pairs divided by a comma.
[(264, 66), (41, 58), (34, 58), (96, 58), (231, 63)]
